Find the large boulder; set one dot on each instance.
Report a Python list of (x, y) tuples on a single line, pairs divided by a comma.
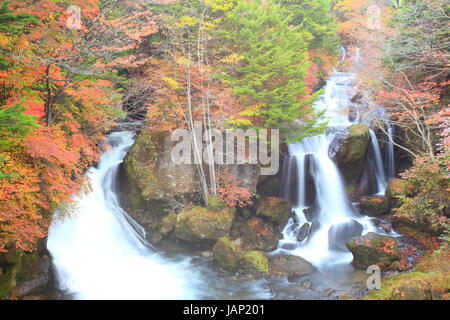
[(349, 152), (340, 233), (277, 210), (197, 224), (149, 166), (290, 265), (259, 235), (374, 206), (373, 249), (227, 254)]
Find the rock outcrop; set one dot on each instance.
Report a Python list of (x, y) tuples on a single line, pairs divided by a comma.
[(349, 152)]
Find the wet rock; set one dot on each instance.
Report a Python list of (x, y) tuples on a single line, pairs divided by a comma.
[(277, 210), (259, 235), (349, 153), (374, 205), (289, 187), (311, 212), (200, 223), (294, 266), (310, 180), (373, 249), (288, 246), (340, 233), (254, 262), (303, 232), (227, 254), (367, 183), (384, 225), (292, 227)]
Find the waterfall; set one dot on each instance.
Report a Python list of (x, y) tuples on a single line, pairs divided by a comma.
[(100, 252), (323, 219), (390, 151), (343, 53), (378, 162)]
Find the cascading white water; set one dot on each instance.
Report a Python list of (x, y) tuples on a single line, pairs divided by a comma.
[(379, 168), (322, 222), (101, 253), (390, 152)]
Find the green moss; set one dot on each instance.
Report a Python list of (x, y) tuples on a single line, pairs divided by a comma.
[(200, 223), (256, 260), (227, 254)]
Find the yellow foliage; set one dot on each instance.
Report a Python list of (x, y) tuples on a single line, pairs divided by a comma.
[(220, 5), (252, 111), (187, 21), (171, 82), (239, 122), (233, 58)]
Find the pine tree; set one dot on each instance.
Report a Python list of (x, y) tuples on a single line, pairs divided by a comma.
[(315, 17), (270, 73)]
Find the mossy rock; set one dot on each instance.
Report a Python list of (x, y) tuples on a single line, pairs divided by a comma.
[(351, 152), (274, 209), (227, 254), (197, 224), (255, 262), (374, 205), (373, 249)]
